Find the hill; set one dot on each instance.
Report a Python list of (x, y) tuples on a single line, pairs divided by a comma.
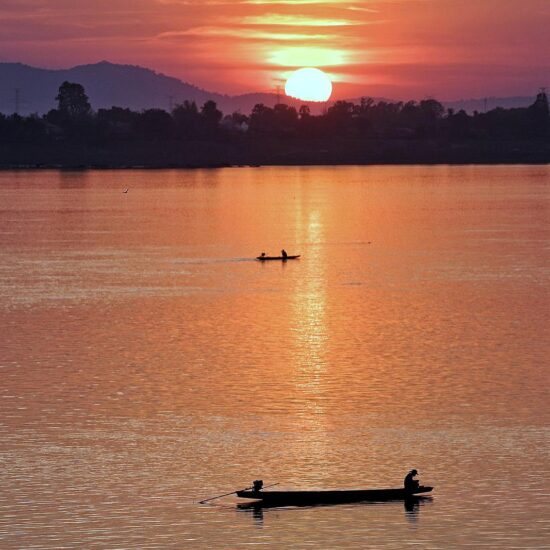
[(108, 84), (488, 103)]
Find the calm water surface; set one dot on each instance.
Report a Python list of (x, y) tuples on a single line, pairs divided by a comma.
[(147, 361)]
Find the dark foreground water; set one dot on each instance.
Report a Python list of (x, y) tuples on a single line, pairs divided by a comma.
[(147, 361)]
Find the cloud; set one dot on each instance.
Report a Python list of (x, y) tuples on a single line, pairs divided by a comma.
[(270, 19), (308, 56), (294, 2), (360, 8), (192, 39), (243, 33)]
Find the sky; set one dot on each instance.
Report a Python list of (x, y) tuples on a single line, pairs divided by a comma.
[(399, 49)]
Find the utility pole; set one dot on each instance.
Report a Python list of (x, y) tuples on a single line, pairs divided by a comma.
[(278, 90)]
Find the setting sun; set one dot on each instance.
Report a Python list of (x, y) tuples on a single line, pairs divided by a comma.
[(309, 85)]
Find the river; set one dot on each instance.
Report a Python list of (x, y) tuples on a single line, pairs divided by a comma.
[(148, 361)]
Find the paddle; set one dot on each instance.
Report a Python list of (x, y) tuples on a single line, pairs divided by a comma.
[(232, 493)]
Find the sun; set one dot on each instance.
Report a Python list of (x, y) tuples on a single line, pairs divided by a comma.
[(309, 85)]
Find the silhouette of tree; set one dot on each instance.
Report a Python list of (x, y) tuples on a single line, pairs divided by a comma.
[(236, 122), (432, 108), (280, 121), (458, 125), (540, 116), (285, 120), (116, 123), (261, 119), (362, 114), (339, 118), (283, 129), (410, 116), (431, 114), (504, 124), (187, 120), (155, 124), (210, 117), (384, 117), (304, 112), (342, 110), (73, 101)]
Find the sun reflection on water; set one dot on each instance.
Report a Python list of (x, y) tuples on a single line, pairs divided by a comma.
[(310, 322)]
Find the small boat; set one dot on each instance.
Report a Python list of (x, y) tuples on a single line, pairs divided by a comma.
[(280, 258), (300, 498)]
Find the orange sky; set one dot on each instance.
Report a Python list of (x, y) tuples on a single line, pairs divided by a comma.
[(394, 48)]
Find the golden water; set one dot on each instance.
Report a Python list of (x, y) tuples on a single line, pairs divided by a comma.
[(147, 360)]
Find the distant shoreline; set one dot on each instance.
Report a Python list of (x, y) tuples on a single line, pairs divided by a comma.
[(254, 153), (70, 168)]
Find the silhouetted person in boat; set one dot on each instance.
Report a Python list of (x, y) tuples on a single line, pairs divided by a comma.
[(284, 254), (410, 483), (262, 255), (257, 485)]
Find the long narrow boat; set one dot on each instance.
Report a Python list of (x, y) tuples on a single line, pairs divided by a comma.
[(280, 258), (297, 498)]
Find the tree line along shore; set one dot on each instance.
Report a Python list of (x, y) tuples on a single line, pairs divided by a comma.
[(75, 136)]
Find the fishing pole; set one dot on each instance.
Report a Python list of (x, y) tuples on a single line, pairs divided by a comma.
[(233, 492)]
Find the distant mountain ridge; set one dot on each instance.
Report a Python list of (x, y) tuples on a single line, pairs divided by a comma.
[(33, 90), (488, 103), (106, 84)]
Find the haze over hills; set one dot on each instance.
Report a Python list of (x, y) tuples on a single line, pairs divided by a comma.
[(33, 90), (106, 84)]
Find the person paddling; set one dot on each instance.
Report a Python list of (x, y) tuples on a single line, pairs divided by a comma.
[(284, 254)]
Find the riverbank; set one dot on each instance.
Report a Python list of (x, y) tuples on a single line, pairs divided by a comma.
[(201, 154)]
